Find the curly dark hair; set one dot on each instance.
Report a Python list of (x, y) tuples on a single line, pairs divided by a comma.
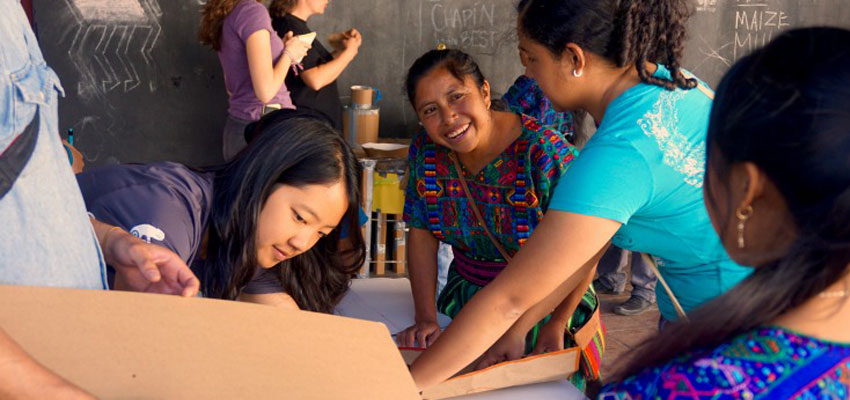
[(279, 8), (213, 14), (622, 31)]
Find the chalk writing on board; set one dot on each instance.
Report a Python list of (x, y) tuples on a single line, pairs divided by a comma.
[(707, 5), (756, 23), (113, 38), (471, 27)]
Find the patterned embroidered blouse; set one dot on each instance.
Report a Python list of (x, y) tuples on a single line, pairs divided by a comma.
[(512, 192), (766, 363)]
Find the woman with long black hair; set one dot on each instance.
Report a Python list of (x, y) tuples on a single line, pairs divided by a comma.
[(262, 228), (777, 189)]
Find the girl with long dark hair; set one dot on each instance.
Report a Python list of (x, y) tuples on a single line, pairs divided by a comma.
[(262, 228), (777, 188), (637, 183)]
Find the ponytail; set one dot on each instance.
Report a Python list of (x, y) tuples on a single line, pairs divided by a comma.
[(625, 32)]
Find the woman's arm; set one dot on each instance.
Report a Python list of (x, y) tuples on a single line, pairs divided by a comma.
[(266, 77), (551, 335), (22, 377), (561, 304), (322, 75), (422, 262), (553, 257)]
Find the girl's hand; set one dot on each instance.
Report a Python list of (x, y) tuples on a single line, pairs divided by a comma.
[(422, 333), (508, 347), (145, 267), (550, 338), (352, 40), (294, 48)]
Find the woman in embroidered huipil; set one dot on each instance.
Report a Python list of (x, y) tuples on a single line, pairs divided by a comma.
[(511, 164)]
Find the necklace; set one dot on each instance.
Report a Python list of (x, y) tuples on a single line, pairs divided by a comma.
[(836, 293)]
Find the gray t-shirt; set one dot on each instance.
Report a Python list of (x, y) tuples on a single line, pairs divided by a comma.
[(162, 203)]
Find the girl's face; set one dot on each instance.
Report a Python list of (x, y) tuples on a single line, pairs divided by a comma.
[(552, 74), (454, 112), (295, 218)]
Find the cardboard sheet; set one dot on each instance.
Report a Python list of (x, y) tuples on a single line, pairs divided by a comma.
[(131, 345), (535, 369)]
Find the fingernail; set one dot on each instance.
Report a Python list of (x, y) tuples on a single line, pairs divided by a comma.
[(152, 275)]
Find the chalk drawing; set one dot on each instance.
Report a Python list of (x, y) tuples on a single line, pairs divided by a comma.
[(711, 53), (707, 5), (469, 26), (112, 39), (756, 22)]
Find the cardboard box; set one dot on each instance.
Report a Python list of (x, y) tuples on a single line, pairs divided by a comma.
[(132, 345)]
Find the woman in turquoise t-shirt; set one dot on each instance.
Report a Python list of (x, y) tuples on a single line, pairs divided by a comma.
[(637, 183), (783, 333)]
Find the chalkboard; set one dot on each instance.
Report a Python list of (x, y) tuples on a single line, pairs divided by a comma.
[(720, 32), (140, 87)]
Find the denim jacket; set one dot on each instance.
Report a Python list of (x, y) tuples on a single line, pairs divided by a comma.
[(46, 238)]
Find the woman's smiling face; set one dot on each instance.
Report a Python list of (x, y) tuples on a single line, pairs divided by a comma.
[(454, 112)]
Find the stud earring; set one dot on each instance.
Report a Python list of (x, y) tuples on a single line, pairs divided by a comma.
[(577, 73), (743, 215)]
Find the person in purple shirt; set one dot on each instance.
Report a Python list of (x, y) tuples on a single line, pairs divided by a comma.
[(255, 62), (263, 228)]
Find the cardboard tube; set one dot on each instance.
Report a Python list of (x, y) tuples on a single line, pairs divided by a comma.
[(361, 96)]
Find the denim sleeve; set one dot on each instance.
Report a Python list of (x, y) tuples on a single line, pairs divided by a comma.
[(25, 80)]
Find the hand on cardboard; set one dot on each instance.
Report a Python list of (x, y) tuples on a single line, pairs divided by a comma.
[(145, 267), (550, 338), (295, 48), (509, 347), (422, 334)]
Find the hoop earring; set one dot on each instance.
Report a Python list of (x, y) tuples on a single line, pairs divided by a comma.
[(743, 214), (577, 73)]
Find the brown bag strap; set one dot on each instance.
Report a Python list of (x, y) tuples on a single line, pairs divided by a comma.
[(585, 334), (475, 210), (654, 267)]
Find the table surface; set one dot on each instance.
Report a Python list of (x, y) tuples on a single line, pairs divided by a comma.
[(390, 302)]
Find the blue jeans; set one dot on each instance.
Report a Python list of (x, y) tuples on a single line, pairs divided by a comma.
[(46, 238), (612, 272)]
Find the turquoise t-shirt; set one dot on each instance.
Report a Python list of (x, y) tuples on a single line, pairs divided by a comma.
[(644, 168)]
